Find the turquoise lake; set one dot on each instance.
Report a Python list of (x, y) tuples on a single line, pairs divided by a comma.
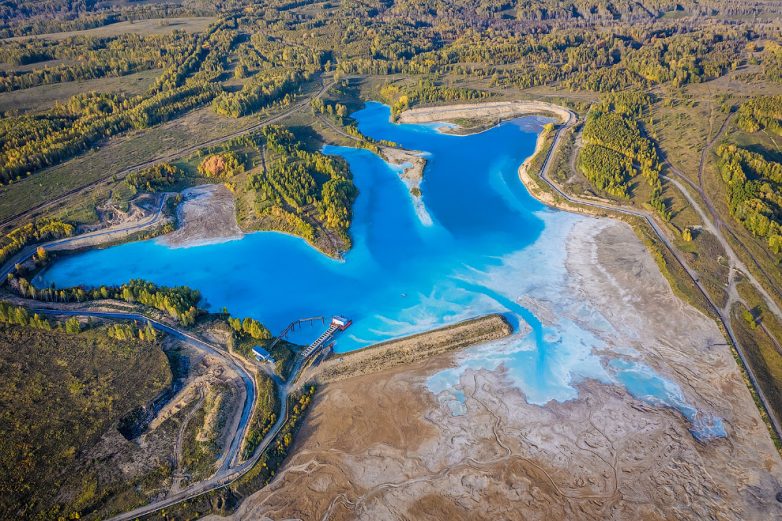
[(489, 245)]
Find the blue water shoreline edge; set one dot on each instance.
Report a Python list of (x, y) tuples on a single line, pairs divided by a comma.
[(489, 246)]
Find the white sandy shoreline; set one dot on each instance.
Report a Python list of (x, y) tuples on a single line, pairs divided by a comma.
[(488, 110), (412, 165)]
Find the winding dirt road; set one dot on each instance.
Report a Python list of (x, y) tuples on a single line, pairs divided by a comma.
[(231, 469), (121, 174), (721, 314), (98, 237)]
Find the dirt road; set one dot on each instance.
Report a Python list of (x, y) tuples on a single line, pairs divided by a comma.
[(121, 174), (720, 313)]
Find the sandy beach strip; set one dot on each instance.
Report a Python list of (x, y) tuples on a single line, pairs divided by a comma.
[(490, 110), (412, 163)]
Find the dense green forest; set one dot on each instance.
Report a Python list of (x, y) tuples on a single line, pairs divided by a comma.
[(761, 113), (754, 192), (616, 149), (297, 180)]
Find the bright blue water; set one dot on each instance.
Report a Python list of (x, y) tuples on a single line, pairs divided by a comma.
[(489, 245), (641, 382)]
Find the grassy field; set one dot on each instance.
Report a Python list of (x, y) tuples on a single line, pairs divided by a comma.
[(123, 152), (676, 117), (59, 393), (765, 359), (684, 121), (706, 256), (45, 96), (143, 27)]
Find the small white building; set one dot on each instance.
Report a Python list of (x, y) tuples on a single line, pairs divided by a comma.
[(262, 355), (341, 323)]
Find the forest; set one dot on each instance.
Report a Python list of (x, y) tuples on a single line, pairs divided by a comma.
[(81, 58), (423, 92), (155, 178), (180, 303), (41, 230), (259, 87), (297, 179), (616, 148), (761, 114), (246, 44), (264, 89), (754, 192)]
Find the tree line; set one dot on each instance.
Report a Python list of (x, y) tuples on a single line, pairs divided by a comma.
[(754, 192), (154, 178), (180, 303), (249, 327), (403, 97), (31, 142), (37, 231), (132, 331), (21, 316)]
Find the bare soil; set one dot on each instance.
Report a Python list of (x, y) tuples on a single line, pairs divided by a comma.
[(495, 110), (206, 215), (382, 446), (412, 349)]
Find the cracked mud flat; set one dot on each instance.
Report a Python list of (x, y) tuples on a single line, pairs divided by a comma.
[(383, 446)]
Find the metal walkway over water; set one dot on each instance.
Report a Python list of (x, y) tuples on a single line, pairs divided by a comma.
[(292, 327), (322, 339), (337, 323)]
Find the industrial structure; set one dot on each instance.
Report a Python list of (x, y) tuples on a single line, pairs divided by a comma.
[(262, 355), (338, 323)]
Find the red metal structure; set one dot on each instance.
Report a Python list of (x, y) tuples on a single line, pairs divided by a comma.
[(342, 323)]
